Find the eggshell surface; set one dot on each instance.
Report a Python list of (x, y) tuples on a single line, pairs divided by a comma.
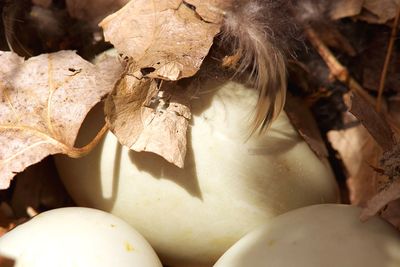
[(230, 183), (77, 237), (321, 235)]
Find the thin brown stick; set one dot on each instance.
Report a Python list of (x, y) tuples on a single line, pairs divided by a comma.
[(385, 68), (337, 69), (83, 151)]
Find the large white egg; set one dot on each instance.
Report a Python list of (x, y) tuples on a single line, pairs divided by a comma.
[(78, 237), (229, 184), (321, 235)]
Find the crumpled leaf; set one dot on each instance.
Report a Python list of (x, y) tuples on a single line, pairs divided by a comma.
[(359, 152), (302, 119), (147, 116), (93, 10), (211, 10), (371, 11), (166, 39), (380, 200), (42, 3), (375, 124), (375, 170), (380, 11), (345, 8), (43, 102)]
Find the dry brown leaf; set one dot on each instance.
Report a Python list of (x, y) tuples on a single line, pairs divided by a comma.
[(359, 152), (383, 10), (42, 3), (43, 102), (5, 262), (166, 39), (345, 8), (39, 188), (380, 200), (93, 10), (302, 119), (375, 124), (146, 116)]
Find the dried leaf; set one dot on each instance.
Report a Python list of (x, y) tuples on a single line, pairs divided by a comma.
[(93, 10), (147, 117), (166, 39), (210, 10), (345, 8), (373, 122), (42, 3), (43, 102), (383, 10), (380, 200), (359, 152), (39, 188), (302, 119), (5, 262)]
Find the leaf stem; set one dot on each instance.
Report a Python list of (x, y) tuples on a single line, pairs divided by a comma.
[(75, 152), (385, 69)]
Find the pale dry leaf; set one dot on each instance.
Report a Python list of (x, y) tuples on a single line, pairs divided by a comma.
[(383, 10), (166, 39), (345, 8), (359, 152), (43, 102), (93, 10), (164, 131), (211, 10), (146, 118)]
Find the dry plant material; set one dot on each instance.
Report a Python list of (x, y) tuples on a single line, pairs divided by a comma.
[(211, 10), (345, 8), (371, 11), (359, 152), (375, 124), (302, 119), (390, 167), (166, 39), (151, 116), (93, 10), (362, 106), (388, 56), (4, 262), (39, 188), (42, 3), (382, 10), (43, 102)]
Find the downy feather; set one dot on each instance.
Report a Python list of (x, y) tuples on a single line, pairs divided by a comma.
[(254, 29)]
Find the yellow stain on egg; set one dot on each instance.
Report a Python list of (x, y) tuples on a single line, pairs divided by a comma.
[(128, 247)]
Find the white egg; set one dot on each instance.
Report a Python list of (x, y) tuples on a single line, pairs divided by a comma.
[(229, 184), (77, 237), (321, 235)]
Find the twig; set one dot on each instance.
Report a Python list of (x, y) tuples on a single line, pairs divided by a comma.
[(385, 69), (337, 69)]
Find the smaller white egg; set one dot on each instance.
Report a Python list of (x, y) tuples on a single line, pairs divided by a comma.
[(328, 235), (77, 237)]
